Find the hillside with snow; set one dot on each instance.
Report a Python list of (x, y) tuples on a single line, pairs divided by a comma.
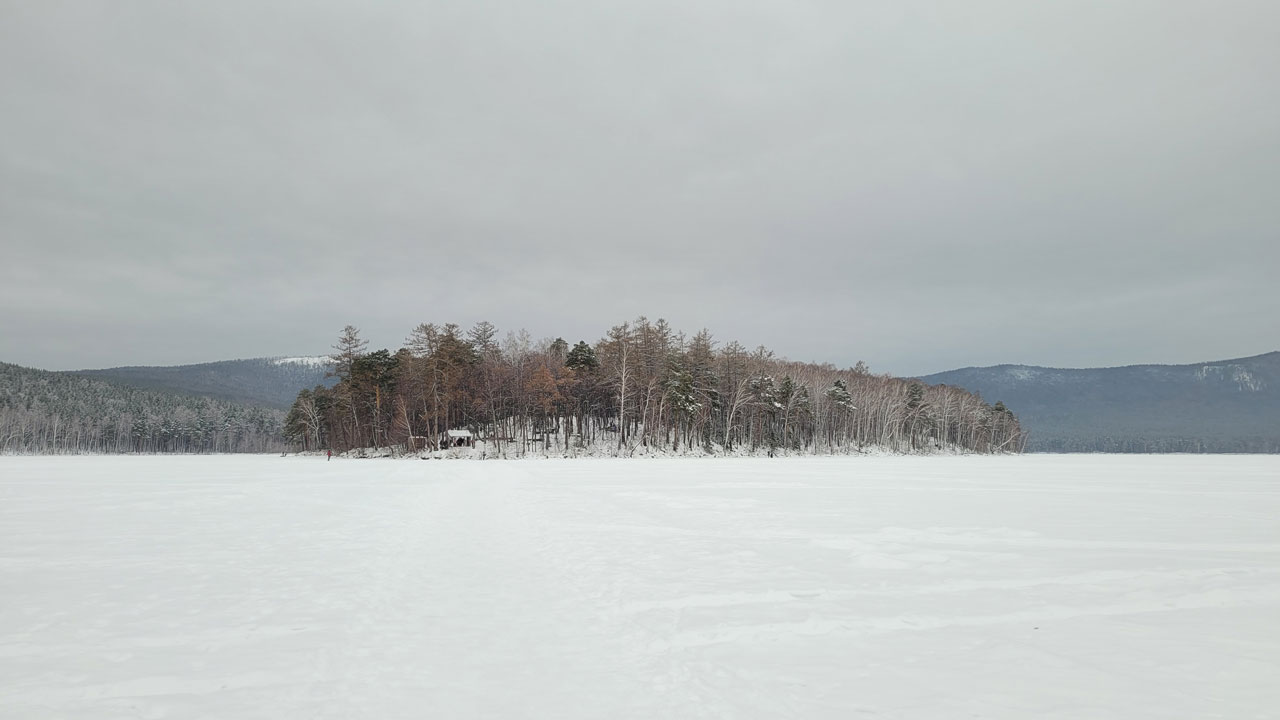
[(1221, 406), (57, 413), (270, 382)]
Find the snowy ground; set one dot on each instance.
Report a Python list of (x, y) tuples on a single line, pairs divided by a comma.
[(952, 587)]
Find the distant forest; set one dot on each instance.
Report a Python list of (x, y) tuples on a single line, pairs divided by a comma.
[(50, 413), (1221, 406), (1142, 445), (644, 385)]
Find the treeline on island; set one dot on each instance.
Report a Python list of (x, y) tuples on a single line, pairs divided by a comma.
[(644, 387), (51, 413)]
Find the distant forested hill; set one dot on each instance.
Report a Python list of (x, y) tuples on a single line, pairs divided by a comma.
[(1223, 406), (50, 412), (273, 382)]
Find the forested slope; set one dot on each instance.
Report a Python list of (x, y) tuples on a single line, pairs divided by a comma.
[(273, 382), (50, 412), (1221, 406)]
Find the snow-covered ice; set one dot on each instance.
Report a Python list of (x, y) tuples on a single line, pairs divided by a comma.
[(894, 587)]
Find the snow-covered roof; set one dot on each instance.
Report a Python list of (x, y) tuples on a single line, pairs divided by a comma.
[(459, 433)]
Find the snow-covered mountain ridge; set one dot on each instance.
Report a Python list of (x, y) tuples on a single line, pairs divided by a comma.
[(271, 382), (316, 361), (1244, 380), (1225, 405)]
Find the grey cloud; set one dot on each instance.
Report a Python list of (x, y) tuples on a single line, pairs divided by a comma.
[(919, 185)]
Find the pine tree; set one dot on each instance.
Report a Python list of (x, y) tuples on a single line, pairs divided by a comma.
[(582, 357)]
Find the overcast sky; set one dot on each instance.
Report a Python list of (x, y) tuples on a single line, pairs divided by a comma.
[(922, 186)]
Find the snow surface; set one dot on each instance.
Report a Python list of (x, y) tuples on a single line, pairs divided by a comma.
[(309, 361), (894, 587), (1022, 372)]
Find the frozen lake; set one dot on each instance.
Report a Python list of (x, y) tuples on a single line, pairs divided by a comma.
[(883, 587)]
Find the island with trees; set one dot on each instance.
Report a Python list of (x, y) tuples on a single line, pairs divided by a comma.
[(644, 388)]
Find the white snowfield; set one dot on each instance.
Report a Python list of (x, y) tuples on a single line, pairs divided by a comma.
[(881, 587), (310, 361)]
